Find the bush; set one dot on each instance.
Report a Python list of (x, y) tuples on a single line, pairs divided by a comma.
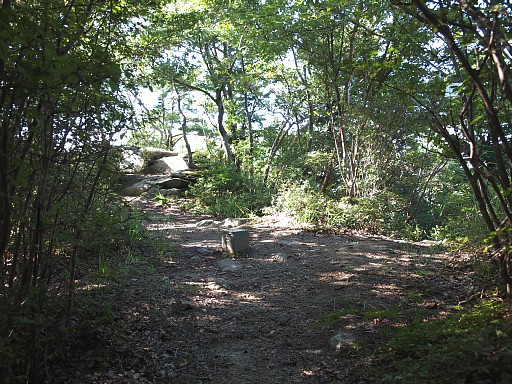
[(77, 217), (378, 215), (302, 203), (225, 191), (469, 346)]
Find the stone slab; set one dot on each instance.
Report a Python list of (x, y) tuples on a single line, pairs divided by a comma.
[(235, 241)]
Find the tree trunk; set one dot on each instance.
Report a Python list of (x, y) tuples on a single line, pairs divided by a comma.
[(184, 129), (487, 36), (273, 150), (220, 127)]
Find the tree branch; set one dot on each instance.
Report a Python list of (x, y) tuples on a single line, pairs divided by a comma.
[(195, 88)]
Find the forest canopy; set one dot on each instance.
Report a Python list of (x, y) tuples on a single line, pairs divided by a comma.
[(400, 111), (386, 117)]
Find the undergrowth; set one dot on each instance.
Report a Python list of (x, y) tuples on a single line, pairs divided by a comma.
[(468, 346), (381, 214), (225, 191)]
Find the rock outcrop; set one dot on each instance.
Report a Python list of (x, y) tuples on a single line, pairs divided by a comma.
[(167, 165), (154, 170), (153, 153), (131, 162)]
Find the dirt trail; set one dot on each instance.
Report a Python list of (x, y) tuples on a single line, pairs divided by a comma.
[(270, 321)]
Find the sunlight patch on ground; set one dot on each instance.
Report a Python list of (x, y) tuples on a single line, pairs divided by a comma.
[(90, 287), (215, 287), (203, 244), (336, 278), (186, 225), (247, 297), (269, 241), (386, 290), (210, 286), (160, 226)]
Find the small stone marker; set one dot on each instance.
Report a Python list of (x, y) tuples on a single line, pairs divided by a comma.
[(342, 341), (235, 241), (228, 265)]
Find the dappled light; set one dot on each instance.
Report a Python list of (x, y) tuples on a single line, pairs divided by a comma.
[(264, 191), (89, 287), (278, 305)]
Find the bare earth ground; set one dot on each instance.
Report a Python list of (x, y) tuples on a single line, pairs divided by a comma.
[(177, 317)]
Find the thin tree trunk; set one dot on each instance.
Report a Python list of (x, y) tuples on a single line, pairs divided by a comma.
[(184, 129), (273, 150), (220, 127)]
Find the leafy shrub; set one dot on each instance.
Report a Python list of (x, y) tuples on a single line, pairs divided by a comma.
[(384, 214), (111, 226), (379, 214), (465, 225), (303, 203), (63, 216), (470, 346), (225, 191)]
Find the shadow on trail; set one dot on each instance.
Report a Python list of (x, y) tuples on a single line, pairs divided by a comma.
[(190, 321)]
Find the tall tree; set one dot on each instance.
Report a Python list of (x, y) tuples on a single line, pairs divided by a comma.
[(60, 106), (477, 57)]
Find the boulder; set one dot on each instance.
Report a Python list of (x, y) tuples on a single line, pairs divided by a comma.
[(167, 165), (137, 189), (153, 153), (191, 175), (228, 265), (128, 179), (170, 192), (131, 162), (173, 183), (153, 170)]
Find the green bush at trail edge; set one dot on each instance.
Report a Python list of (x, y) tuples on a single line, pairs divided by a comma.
[(470, 346)]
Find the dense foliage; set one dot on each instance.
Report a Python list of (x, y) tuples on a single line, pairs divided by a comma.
[(60, 107), (354, 102), (481, 335), (379, 116)]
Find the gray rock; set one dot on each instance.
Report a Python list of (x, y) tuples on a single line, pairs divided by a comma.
[(174, 183), (280, 257), (342, 341), (189, 175), (170, 192), (166, 182), (131, 162), (167, 165), (208, 224), (136, 189), (154, 184), (153, 190), (228, 265), (154, 153)]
